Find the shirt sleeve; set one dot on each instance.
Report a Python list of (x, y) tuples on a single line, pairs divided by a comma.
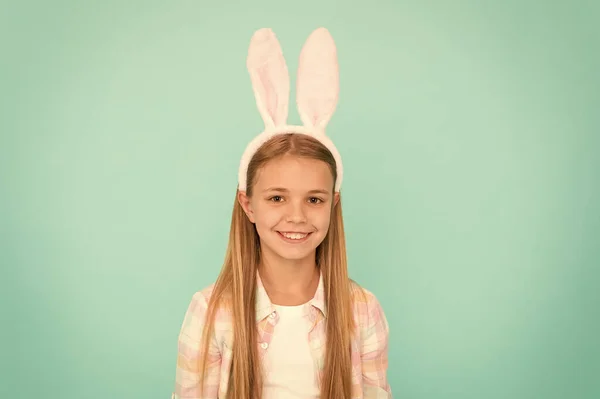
[(374, 353), (189, 356)]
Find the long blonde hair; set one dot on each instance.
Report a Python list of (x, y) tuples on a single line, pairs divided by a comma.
[(236, 285)]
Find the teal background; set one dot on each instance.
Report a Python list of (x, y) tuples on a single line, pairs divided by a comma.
[(469, 131)]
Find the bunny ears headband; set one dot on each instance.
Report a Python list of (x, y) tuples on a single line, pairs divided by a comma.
[(316, 92)]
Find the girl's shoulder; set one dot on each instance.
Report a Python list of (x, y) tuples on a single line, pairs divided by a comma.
[(221, 295), (206, 302), (362, 296), (202, 301), (205, 293), (368, 311)]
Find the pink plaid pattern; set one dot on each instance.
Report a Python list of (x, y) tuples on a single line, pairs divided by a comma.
[(369, 345)]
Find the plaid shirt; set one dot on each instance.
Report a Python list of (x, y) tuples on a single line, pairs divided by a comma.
[(369, 345)]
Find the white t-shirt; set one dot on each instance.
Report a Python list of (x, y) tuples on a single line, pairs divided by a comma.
[(292, 370)]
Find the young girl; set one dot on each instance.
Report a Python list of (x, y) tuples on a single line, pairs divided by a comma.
[(283, 320)]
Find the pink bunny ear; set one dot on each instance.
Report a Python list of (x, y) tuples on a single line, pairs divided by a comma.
[(270, 77), (318, 80)]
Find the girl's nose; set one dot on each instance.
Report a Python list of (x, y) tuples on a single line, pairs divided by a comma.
[(296, 214)]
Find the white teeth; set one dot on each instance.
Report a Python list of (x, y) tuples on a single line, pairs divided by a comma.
[(294, 236)]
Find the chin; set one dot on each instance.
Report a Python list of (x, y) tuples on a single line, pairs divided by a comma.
[(287, 255)]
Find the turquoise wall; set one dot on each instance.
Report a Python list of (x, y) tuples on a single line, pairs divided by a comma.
[(469, 131)]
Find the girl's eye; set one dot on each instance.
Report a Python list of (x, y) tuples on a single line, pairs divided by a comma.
[(315, 200), (276, 198)]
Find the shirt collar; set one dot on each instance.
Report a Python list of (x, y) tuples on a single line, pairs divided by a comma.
[(264, 307)]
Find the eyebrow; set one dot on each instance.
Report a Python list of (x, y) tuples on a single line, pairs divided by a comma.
[(285, 190)]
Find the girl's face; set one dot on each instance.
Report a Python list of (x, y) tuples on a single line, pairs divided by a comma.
[(291, 206)]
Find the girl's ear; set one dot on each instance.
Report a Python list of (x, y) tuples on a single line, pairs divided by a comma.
[(244, 201), (336, 198), (270, 77)]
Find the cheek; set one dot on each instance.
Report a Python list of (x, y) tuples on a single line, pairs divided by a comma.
[(321, 218), (266, 216)]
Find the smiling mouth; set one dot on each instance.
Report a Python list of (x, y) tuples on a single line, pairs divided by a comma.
[(293, 237)]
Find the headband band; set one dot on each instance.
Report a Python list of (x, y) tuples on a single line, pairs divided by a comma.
[(316, 92)]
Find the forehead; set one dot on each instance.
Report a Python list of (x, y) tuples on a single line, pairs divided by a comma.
[(295, 173)]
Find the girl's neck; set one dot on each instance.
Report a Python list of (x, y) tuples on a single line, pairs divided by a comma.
[(289, 283)]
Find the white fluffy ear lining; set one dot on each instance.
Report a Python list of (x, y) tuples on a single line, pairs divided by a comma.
[(318, 80), (270, 77)]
